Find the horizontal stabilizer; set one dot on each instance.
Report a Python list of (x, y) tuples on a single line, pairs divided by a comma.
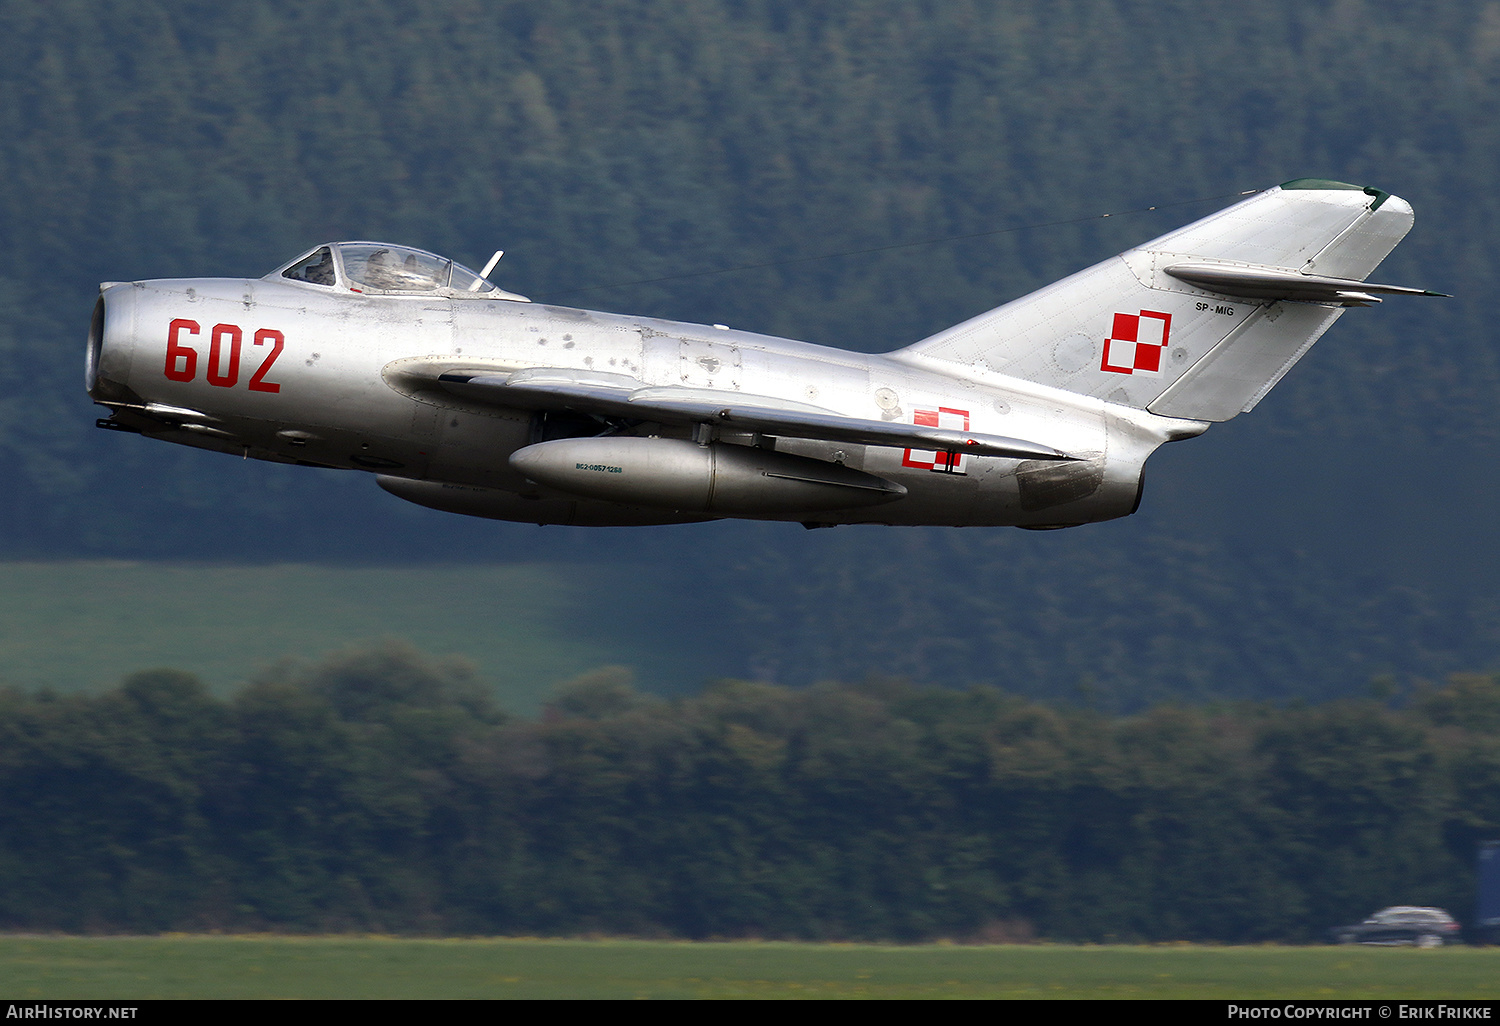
[(1273, 283), (613, 396)]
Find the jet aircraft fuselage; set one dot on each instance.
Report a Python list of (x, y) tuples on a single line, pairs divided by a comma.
[(463, 397)]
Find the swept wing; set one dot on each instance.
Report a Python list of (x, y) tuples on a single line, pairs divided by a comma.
[(619, 396)]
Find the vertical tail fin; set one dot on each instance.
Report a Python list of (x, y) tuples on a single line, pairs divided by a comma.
[(1203, 321)]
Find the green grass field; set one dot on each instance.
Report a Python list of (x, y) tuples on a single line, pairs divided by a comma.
[(84, 625), (344, 967)]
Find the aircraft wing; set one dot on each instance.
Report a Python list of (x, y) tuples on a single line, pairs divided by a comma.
[(616, 395)]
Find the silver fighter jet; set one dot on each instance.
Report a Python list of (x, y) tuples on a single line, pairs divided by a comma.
[(463, 397)]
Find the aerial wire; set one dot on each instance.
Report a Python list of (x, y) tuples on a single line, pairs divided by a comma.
[(892, 246)]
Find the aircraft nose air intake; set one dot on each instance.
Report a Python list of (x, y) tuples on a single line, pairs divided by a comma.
[(107, 360), (96, 344)]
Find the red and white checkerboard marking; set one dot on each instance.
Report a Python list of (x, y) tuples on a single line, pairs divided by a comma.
[(1137, 342), (940, 417)]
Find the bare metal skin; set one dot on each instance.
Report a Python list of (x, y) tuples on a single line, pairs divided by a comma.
[(463, 397)]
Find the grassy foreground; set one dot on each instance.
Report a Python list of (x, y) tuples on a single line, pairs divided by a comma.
[(347, 967)]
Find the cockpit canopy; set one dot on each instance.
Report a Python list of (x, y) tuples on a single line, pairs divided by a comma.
[(385, 269)]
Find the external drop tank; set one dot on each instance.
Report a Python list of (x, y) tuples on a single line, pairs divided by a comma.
[(719, 478)]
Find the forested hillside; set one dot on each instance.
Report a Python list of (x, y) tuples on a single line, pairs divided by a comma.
[(1340, 532), (380, 792)]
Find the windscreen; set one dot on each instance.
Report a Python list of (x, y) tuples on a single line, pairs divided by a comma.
[(315, 270)]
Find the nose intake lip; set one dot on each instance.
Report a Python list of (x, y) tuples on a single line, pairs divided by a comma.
[(106, 373), (96, 347)]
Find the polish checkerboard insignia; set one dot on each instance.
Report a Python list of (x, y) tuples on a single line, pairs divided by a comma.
[(943, 462), (1136, 343)]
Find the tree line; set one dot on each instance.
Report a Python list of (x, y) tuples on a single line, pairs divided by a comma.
[(383, 791)]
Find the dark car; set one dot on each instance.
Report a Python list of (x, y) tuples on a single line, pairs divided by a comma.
[(1401, 924)]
